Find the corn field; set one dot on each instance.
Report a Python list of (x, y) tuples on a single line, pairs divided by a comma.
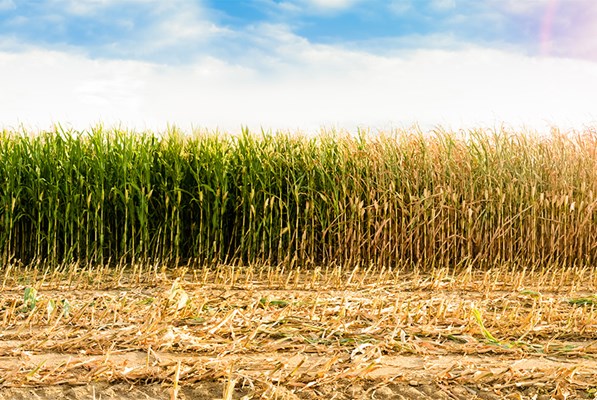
[(400, 198)]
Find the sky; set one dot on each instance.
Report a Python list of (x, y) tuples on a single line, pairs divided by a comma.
[(298, 65)]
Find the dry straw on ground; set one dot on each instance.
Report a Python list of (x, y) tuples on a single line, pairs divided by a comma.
[(299, 334)]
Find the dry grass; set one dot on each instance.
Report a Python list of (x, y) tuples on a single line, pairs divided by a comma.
[(266, 331)]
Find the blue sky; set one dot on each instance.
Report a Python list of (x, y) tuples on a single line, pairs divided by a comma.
[(298, 64)]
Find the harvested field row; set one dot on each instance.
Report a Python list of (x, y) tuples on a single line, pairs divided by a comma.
[(234, 332)]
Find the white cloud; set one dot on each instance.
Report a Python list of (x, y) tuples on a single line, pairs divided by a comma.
[(160, 30), (400, 6), (443, 4), (332, 4), (571, 30), (562, 28), (7, 5), (89, 7), (315, 6), (182, 23), (58, 87), (311, 86), (520, 7)]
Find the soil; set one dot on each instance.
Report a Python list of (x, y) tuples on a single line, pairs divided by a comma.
[(176, 336), (407, 377)]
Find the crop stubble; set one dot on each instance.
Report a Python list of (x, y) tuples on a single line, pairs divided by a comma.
[(273, 334)]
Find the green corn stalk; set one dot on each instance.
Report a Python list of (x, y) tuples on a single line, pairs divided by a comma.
[(29, 299), (477, 315), (435, 199)]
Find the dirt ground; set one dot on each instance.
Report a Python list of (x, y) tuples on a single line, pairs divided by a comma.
[(230, 333), (407, 377)]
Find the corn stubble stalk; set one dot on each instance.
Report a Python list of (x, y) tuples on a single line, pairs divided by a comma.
[(391, 199), (182, 330)]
